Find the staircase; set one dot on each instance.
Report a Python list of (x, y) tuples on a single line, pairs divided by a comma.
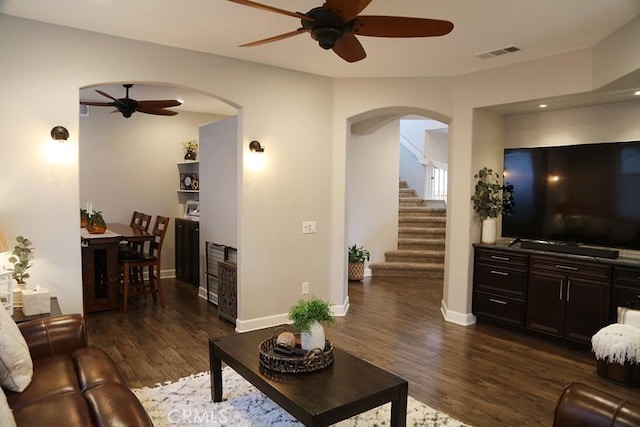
[(421, 236)]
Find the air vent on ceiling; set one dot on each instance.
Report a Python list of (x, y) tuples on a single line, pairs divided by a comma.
[(498, 52), (84, 110)]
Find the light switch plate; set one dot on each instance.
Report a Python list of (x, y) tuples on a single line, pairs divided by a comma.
[(308, 227)]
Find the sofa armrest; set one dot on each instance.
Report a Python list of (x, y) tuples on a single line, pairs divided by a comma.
[(54, 335), (582, 405)]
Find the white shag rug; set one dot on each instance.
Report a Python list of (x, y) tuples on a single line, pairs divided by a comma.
[(187, 402)]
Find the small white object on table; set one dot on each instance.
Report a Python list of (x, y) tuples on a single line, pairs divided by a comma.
[(36, 301)]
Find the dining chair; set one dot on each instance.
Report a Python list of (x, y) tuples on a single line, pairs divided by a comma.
[(135, 219), (134, 284)]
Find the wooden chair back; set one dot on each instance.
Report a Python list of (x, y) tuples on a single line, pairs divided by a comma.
[(159, 231), (145, 222), (135, 219)]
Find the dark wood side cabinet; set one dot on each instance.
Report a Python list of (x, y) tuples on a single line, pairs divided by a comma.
[(563, 297), (100, 274), (500, 286), (187, 252)]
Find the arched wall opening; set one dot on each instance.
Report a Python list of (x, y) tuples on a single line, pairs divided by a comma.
[(128, 164), (372, 175)]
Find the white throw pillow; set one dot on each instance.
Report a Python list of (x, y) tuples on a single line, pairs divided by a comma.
[(16, 366), (6, 416)]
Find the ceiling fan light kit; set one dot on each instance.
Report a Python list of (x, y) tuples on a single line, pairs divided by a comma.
[(127, 106), (335, 24)]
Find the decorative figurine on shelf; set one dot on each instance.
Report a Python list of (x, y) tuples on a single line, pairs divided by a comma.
[(21, 257), (190, 149), (96, 224)]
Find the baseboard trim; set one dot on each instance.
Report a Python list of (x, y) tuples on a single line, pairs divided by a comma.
[(279, 319), (464, 319)]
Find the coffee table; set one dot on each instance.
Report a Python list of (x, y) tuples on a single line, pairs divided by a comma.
[(346, 388)]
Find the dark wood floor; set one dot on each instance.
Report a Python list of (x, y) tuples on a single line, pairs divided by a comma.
[(481, 375)]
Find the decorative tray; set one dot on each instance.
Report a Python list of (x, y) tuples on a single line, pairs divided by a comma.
[(299, 361)]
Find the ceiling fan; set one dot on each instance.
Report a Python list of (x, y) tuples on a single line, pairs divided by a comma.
[(128, 106), (336, 23)]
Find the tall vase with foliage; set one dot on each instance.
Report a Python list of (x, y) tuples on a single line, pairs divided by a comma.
[(491, 198)]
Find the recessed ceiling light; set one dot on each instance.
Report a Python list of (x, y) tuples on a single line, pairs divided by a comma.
[(542, 105), (637, 92)]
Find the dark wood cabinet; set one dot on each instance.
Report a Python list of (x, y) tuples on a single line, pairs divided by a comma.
[(100, 274), (558, 296), (500, 286), (187, 252), (567, 298)]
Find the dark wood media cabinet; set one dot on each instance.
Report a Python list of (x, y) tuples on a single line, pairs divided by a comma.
[(563, 297)]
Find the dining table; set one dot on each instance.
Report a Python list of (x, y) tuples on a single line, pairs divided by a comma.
[(101, 273)]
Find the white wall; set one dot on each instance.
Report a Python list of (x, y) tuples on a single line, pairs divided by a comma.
[(599, 123), (130, 164), (372, 191), (219, 165), (437, 146), (411, 170)]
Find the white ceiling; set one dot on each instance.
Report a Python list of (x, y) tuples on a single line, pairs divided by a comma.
[(539, 28)]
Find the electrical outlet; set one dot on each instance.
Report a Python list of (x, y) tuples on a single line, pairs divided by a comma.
[(308, 227), (305, 288)]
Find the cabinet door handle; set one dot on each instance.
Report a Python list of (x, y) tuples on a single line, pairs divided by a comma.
[(501, 273), (501, 258), (566, 267), (568, 290), (497, 301), (561, 287)]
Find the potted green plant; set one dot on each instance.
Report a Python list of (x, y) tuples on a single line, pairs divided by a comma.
[(357, 256), (21, 257), (306, 316), (490, 199)]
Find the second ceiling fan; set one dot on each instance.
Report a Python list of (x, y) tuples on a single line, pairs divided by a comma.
[(336, 23)]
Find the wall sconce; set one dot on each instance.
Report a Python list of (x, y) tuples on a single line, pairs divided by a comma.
[(59, 133), (255, 147)]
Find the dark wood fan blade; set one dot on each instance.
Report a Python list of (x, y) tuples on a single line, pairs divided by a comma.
[(157, 111), (97, 104), (106, 94), (272, 9), (398, 26), (346, 9), (275, 38), (349, 48), (160, 103)]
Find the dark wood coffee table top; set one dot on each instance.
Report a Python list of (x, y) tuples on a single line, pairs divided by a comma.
[(346, 388)]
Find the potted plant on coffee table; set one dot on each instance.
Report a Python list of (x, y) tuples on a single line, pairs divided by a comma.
[(306, 316), (357, 256), (490, 199)]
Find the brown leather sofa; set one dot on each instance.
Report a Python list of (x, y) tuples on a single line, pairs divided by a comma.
[(72, 385), (583, 406)]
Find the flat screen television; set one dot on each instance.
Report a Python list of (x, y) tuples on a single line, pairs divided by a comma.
[(578, 194)]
